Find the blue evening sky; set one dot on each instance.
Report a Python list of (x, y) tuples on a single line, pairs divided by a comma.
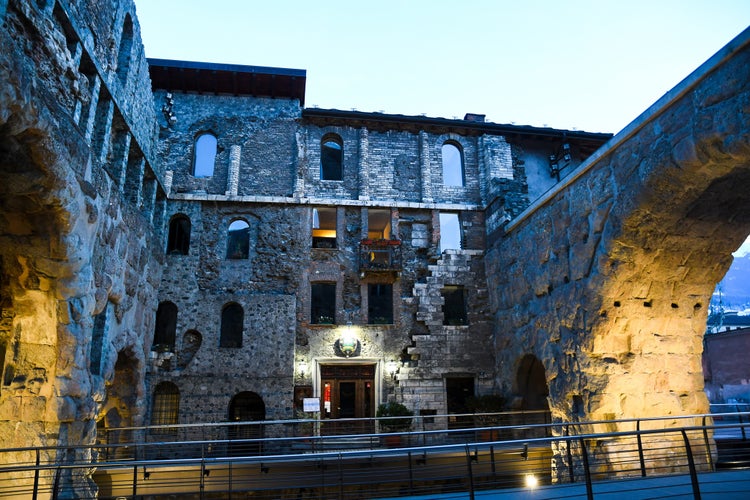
[(590, 65)]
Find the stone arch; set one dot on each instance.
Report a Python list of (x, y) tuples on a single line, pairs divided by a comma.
[(530, 385), (246, 406)]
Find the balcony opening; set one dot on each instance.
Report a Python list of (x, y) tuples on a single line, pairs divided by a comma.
[(324, 228)]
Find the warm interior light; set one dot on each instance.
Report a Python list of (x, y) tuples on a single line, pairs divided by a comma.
[(531, 481)]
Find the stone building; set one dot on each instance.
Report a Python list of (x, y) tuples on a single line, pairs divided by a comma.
[(326, 253)]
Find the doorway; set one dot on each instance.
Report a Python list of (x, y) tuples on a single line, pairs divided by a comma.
[(457, 392), (246, 407), (348, 392)]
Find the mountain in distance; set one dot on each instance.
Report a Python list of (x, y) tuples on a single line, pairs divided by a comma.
[(733, 291)]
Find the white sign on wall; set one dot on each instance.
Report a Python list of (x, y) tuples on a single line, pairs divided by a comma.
[(311, 404)]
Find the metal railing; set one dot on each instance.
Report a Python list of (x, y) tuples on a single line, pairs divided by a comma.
[(426, 462)]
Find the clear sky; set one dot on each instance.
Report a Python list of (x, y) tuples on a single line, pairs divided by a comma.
[(591, 65)]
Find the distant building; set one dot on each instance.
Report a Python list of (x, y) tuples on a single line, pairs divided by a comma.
[(725, 368)]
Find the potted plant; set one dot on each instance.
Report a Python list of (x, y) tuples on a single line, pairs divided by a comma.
[(486, 407), (396, 419)]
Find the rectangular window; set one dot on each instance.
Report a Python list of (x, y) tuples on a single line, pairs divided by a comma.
[(324, 228), (380, 304), (454, 306), (378, 224), (323, 303), (450, 232)]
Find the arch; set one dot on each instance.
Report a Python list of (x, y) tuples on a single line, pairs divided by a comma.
[(165, 407), (204, 155), (452, 157), (166, 327), (246, 406), (531, 384), (238, 239), (178, 240), (126, 48), (232, 319), (331, 158)]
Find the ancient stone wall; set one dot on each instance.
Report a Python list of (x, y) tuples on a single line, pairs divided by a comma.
[(607, 280), (80, 197)]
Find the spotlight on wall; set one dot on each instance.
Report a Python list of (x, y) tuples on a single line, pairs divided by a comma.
[(302, 368), (392, 368), (348, 343), (531, 481), (559, 159)]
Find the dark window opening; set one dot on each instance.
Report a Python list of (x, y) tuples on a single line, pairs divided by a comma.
[(205, 156), (378, 224), (165, 407), (232, 319), (178, 240), (323, 304), (331, 159), (454, 306), (97, 340), (126, 48), (166, 327), (246, 439), (238, 240), (324, 228), (458, 390), (380, 304)]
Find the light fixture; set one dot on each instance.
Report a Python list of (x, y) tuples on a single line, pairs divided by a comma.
[(559, 159), (302, 368), (531, 481), (391, 367), (348, 343)]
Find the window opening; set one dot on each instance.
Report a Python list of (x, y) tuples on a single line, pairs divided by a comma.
[(380, 304), (450, 232), (323, 303), (205, 155), (165, 408), (97, 339), (378, 224), (454, 305), (453, 168), (232, 319), (178, 240), (166, 327), (126, 47), (331, 159), (238, 240), (324, 228)]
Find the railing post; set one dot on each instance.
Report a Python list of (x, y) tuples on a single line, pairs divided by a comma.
[(742, 426), (586, 470), (568, 444), (706, 443), (411, 475), (202, 478), (641, 458), (691, 465), (471, 473), (56, 485), (36, 476)]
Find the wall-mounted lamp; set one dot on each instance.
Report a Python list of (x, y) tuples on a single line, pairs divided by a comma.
[(559, 159), (302, 368), (392, 368), (348, 343)]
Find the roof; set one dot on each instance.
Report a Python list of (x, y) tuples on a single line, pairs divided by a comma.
[(227, 79)]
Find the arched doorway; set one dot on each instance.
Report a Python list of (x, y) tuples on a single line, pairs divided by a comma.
[(531, 384), (246, 406)]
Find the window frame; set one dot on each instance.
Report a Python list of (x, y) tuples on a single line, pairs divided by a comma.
[(323, 310), (241, 253), (453, 168), (178, 237), (454, 308), (331, 164), (388, 307), (208, 163), (231, 331)]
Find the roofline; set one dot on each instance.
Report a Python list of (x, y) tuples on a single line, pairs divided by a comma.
[(236, 68), (485, 127)]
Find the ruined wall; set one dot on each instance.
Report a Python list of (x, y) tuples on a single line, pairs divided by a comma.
[(607, 281), (79, 200)]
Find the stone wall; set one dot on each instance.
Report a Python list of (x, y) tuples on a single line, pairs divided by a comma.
[(78, 200), (607, 280)]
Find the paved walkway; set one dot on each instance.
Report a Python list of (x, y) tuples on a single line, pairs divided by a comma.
[(725, 485)]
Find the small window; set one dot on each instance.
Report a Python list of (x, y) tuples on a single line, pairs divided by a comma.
[(238, 240), (126, 48), (98, 336), (380, 304), (165, 407), (450, 232), (166, 327), (178, 241), (453, 165), (378, 224), (323, 304), (331, 159), (324, 228), (454, 305), (232, 319), (205, 156)]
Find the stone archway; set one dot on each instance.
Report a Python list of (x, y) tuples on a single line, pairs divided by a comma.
[(246, 406), (531, 385)]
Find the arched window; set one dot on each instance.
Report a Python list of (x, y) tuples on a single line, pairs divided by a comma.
[(166, 327), (238, 240), (246, 439), (204, 155), (165, 407), (232, 319), (178, 241), (331, 158), (453, 164), (126, 48)]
